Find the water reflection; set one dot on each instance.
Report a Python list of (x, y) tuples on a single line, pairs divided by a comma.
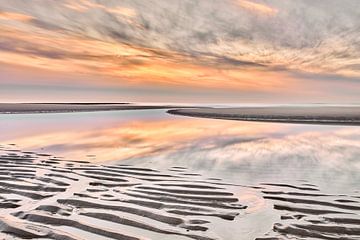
[(121, 135), (239, 151)]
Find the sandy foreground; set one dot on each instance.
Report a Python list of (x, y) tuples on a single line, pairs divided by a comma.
[(42, 196), (45, 197), (318, 115), (12, 108)]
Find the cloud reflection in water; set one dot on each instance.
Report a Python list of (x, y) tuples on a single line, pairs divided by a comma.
[(239, 151)]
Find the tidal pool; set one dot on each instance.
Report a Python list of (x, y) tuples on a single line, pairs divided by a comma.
[(284, 173)]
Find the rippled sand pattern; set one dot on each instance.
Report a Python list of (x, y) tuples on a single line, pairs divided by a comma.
[(307, 213), (44, 197)]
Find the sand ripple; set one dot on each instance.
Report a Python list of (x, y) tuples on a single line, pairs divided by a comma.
[(42, 196), (307, 213)]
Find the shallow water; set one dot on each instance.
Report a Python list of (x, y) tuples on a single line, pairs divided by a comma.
[(247, 151), (282, 172)]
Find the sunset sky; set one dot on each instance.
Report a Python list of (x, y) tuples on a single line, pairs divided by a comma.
[(208, 51)]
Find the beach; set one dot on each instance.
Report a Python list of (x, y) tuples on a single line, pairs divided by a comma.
[(343, 115), (40, 194), (146, 174), (13, 108), (43, 196)]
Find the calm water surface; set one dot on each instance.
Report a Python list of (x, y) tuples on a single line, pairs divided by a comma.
[(241, 152)]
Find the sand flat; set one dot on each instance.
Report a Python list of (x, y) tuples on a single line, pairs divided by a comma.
[(63, 199), (45, 197), (12, 108), (347, 115)]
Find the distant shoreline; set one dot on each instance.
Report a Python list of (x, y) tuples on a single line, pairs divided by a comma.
[(300, 115), (37, 108), (330, 115)]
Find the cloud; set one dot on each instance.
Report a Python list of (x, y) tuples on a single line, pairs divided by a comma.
[(45, 25), (15, 16), (82, 5), (313, 37), (232, 44), (87, 5), (256, 7), (127, 12)]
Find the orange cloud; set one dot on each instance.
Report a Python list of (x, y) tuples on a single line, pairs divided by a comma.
[(129, 63), (85, 5), (15, 16), (127, 12), (256, 7), (81, 5)]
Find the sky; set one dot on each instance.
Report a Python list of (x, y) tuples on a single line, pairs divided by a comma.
[(184, 51)]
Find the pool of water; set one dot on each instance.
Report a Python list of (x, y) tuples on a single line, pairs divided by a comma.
[(244, 152)]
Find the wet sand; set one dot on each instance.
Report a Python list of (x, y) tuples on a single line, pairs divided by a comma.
[(45, 197), (312, 115), (12, 108), (42, 196)]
